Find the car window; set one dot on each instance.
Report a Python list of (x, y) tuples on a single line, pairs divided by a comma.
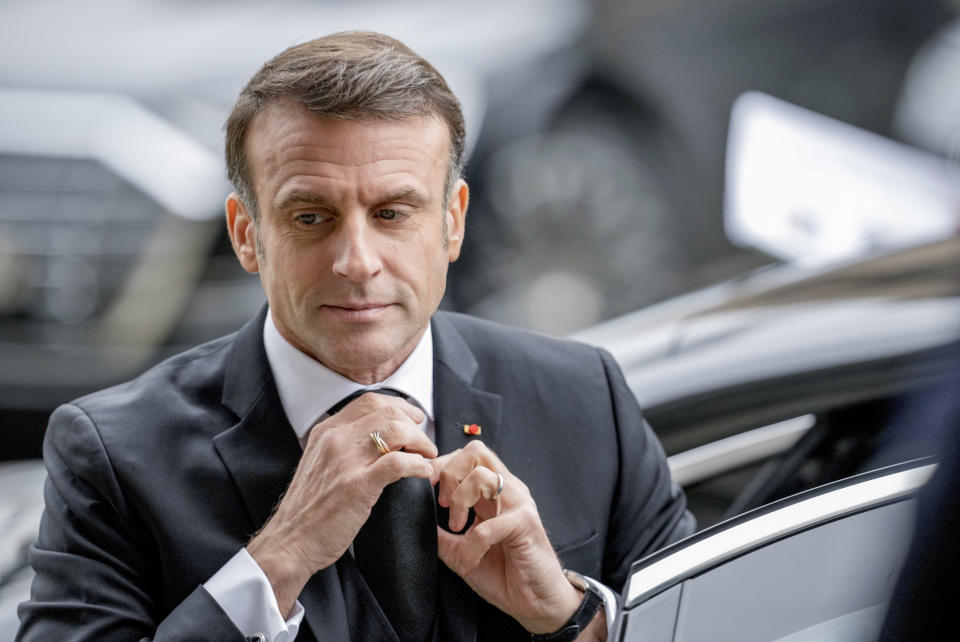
[(853, 627), (832, 580)]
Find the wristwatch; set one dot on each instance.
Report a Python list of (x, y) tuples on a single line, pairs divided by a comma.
[(572, 628)]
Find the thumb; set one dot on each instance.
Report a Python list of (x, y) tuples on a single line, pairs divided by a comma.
[(446, 544), (461, 553)]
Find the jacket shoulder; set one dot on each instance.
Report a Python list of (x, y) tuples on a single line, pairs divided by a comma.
[(495, 344), (181, 386)]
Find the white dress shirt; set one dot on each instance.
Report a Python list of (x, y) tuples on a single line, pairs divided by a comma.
[(307, 390)]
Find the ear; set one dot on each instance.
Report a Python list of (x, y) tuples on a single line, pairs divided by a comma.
[(456, 218), (243, 233)]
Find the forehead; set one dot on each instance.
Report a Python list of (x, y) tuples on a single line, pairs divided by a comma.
[(286, 140)]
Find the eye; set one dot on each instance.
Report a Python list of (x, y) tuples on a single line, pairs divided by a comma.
[(309, 218), (390, 215)]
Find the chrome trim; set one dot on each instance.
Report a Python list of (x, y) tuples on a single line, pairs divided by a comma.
[(702, 554), (748, 447)]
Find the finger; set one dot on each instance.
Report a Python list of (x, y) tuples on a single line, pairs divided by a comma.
[(452, 549), (396, 465), (481, 483), (372, 402), (401, 435), (462, 464), (463, 553), (440, 463)]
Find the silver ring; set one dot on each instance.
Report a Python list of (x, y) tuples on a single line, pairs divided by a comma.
[(499, 486), (378, 441)]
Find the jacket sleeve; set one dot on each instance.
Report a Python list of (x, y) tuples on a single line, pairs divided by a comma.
[(649, 510), (93, 560)]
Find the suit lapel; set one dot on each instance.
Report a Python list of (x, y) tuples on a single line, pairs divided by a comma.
[(457, 403), (261, 452)]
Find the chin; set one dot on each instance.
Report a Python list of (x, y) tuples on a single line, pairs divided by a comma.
[(358, 355)]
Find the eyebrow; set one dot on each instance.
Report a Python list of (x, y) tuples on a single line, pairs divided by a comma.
[(407, 193), (305, 198)]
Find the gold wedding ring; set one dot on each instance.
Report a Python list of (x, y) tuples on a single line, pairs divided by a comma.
[(378, 441)]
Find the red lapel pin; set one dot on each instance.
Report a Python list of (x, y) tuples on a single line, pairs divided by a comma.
[(472, 429)]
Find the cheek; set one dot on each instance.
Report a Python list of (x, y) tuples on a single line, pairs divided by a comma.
[(289, 269), (427, 263), (433, 266)]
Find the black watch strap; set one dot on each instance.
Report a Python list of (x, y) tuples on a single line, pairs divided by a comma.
[(578, 621)]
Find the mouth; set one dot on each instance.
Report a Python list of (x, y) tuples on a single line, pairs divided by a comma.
[(358, 311)]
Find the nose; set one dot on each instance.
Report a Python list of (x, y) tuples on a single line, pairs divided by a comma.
[(356, 257)]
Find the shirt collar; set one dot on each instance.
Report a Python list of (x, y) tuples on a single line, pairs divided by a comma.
[(308, 389)]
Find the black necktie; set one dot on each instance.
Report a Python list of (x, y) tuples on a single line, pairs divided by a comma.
[(396, 551)]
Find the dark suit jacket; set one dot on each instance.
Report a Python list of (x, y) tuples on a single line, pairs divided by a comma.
[(154, 484)]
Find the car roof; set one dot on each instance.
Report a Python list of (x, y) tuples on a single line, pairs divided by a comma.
[(787, 319)]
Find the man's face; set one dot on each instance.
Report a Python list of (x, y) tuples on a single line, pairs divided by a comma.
[(352, 250)]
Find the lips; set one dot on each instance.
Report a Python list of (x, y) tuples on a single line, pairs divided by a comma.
[(365, 311), (356, 306)]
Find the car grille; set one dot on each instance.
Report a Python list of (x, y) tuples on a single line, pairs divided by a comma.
[(70, 230)]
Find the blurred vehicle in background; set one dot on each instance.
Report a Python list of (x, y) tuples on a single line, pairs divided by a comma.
[(107, 224)]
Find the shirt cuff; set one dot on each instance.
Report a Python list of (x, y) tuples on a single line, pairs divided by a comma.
[(610, 602), (242, 590)]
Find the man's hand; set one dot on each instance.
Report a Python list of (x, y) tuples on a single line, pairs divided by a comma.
[(339, 479), (505, 556)]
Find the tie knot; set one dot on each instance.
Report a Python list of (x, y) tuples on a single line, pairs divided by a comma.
[(390, 392)]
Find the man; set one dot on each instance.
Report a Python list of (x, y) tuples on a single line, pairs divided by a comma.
[(226, 494)]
